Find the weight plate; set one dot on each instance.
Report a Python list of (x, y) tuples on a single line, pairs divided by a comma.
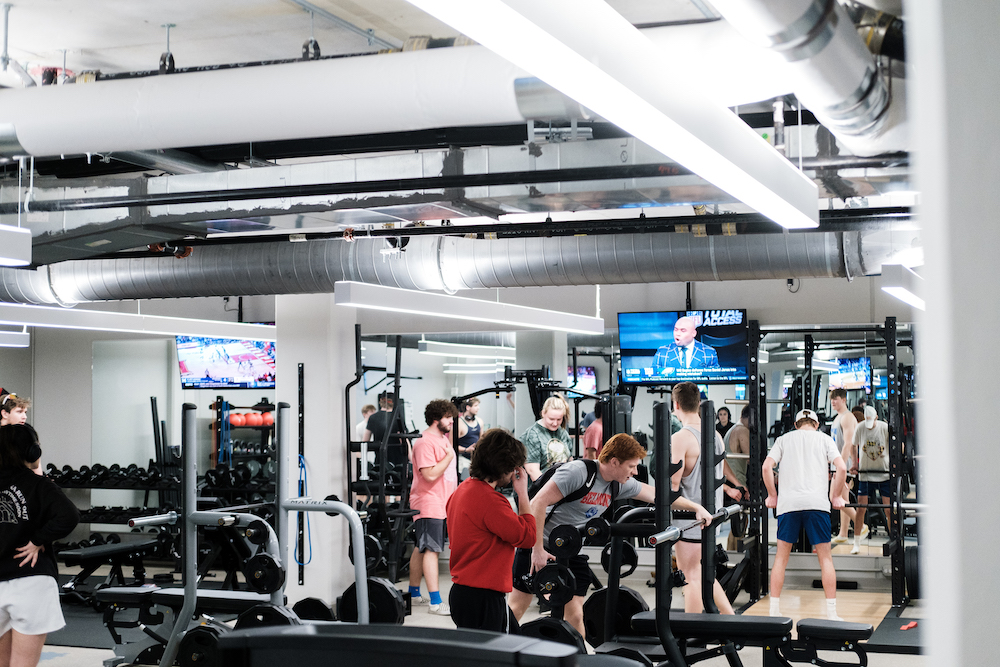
[(199, 647), (554, 584), (263, 574), (911, 572), (267, 615), (598, 531), (564, 541), (554, 630), (313, 609), (385, 603), (629, 604), (630, 559)]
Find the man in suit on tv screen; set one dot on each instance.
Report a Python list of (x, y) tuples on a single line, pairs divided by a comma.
[(685, 351)]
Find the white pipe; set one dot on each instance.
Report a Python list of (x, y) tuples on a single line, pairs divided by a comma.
[(337, 97)]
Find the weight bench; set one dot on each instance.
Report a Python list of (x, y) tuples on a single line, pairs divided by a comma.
[(385, 646), (772, 634), (115, 555), (146, 598)]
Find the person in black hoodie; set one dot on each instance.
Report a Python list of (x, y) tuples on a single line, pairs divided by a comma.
[(33, 513)]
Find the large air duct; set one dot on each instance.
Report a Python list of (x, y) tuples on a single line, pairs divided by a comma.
[(831, 70), (434, 88), (445, 263)]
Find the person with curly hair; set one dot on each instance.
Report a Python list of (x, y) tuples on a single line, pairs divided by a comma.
[(434, 480), (484, 530)]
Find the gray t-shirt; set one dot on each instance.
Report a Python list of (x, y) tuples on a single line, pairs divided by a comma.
[(571, 477), (873, 452)]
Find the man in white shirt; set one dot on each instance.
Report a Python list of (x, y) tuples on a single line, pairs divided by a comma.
[(805, 455), (870, 453)]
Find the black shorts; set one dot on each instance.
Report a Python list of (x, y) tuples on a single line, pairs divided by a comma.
[(480, 609), (428, 535), (578, 565)]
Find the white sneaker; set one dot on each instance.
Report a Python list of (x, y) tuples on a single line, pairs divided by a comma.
[(419, 600), (856, 549), (865, 531), (833, 617), (839, 539), (439, 610)]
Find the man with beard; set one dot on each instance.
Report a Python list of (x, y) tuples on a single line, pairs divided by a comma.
[(434, 480)]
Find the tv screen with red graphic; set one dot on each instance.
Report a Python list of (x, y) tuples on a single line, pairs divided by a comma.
[(225, 363)]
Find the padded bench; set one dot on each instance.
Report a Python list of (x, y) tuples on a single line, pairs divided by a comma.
[(115, 555), (814, 635), (714, 628), (211, 601)]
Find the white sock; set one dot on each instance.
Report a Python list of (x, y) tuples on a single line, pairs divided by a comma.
[(831, 609), (775, 606)]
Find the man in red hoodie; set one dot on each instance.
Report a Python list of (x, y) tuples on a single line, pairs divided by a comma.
[(484, 532)]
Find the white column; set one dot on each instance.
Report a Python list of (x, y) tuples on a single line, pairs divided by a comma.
[(954, 60), (314, 332)]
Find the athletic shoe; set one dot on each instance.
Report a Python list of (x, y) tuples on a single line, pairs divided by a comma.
[(856, 549), (865, 531), (439, 609), (839, 539), (833, 618), (419, 600)]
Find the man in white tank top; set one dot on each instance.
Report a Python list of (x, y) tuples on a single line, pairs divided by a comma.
[(685, 446)]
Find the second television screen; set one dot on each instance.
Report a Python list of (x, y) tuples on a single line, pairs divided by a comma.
[(701, 346)]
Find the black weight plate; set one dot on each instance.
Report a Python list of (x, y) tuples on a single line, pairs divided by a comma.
[(630, 603), (597, 531), (385, 603), (267, 615), (257, 532), (373, 552), (263, 574), (313, 609), (199, 647), (554, 584), (564, 541), (554, 630), (911, 572), (630, 559)]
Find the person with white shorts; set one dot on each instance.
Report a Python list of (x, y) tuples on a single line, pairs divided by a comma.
[(33, 513)]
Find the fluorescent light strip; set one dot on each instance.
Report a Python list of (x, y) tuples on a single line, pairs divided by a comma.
[(95, 320), (15, 246), (413, 302), (15, 339), (439, 349), (498, 364), (449, 371), (561, 42), (905, 285)]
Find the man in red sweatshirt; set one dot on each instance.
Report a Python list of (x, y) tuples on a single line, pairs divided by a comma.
[(484, 532)]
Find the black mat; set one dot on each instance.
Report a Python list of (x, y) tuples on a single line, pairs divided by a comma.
[(888, 638), (85, 629)]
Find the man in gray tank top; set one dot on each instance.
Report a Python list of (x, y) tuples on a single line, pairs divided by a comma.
[(685, 447)]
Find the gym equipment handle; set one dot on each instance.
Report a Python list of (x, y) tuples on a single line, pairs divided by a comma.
[(673, 533), (158, 520)]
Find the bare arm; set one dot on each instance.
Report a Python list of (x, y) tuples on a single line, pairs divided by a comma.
[(767, 472), (434, 472), (733, 488), (549, 495), (837, 490), (534, 470)]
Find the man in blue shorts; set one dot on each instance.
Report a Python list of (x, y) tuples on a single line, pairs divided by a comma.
[(805, 455)]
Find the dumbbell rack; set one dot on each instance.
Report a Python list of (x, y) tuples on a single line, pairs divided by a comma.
[(88, 478)]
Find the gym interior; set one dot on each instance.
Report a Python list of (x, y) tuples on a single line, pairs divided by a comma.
[(418, 252)]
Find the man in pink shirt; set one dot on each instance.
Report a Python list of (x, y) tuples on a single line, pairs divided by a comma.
[(434, 480), (593, 437)]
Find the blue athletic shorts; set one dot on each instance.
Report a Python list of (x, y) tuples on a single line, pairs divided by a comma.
[(816, 523), (873, 489)]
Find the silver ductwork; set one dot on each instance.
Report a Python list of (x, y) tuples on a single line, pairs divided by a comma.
[(443, 263), (833, 72)]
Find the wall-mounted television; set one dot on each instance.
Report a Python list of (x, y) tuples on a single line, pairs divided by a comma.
[(225, 363), (700, 346), (852, 374), (586, 379)]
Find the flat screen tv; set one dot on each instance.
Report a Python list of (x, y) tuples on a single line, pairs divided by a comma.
[(225, 363), (852, 374), (700, 346), (586, 379)]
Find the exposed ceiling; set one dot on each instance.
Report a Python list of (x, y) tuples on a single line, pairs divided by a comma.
[(110, 39)]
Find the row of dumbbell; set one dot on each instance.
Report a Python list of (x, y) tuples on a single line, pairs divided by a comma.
[(102, 514), (113, 476), (251, 475), (245, 448), (95, 540)]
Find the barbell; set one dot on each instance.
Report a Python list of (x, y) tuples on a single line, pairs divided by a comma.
[(673, 533)]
